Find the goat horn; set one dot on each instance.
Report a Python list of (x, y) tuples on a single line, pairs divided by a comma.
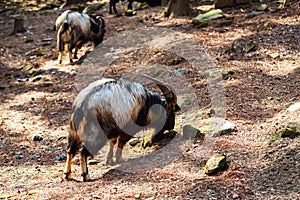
[(167, 90)]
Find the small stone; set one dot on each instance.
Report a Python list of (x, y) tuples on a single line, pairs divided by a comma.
[(190, 132), (36, 78), (93, 162), (262, 7), (274, 55), (48, 83), (47, 39), (37, 138), (61, 157), (282, 145), (137, 196), (235, 196), (294, 107), (216, 126), (19, 157), (130, 13), (215, 164), (181, 71), (292, 130), (134, 141), (22, 80)]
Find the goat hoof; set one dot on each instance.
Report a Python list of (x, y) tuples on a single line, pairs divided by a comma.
[(109, 162), (67, 176), (120, 160), (86, 177)]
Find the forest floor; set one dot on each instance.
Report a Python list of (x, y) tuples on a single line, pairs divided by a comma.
[(259, 85)]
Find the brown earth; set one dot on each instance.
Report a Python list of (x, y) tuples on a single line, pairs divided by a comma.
[(37, 95)]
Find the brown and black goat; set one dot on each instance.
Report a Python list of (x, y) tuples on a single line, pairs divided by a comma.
[(75, 29), (113, 111)]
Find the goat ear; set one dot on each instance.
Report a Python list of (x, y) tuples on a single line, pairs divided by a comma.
[(176, 108)]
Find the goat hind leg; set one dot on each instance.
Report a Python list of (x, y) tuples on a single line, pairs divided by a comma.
[(70, 48), (83, 154)]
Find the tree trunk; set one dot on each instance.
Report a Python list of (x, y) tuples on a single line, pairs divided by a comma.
[(18, 25), (177, 8), (71, 2)]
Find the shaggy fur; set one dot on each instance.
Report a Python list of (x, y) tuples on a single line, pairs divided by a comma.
[(113, 111), (75, 29)]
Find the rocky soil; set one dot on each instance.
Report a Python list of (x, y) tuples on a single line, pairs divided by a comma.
[(253, 90)]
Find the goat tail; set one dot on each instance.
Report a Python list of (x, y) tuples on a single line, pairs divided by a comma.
[(74, 142), (62, 29)]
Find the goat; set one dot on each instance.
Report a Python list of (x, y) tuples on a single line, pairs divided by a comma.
[(75, 29), (112, 4), (113, 111)]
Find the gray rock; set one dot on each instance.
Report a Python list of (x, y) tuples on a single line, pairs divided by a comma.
[(61, 157), (93, 162), (294, 107), (181, 71), (190, 132), (235, 196), (19, 157), (217, 126), (47, 83)]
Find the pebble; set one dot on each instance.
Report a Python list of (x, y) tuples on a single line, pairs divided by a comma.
[(137, 196), (181, 71), (37, 138), (134, 141), (19, 157), (61, 157), (235, 196), (93, 162)]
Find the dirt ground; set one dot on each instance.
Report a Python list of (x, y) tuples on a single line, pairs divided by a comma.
[(37, 95)]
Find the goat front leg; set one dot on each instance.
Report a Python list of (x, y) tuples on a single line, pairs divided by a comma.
[(121, 142), (67, 171)]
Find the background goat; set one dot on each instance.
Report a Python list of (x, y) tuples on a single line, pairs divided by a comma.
[(112, 4), (113, 111), (75, 29)]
